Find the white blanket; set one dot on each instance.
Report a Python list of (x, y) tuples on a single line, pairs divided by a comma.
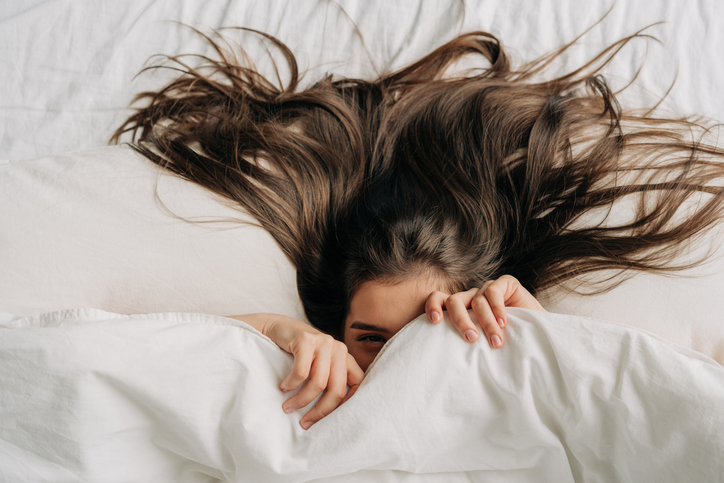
[(93, 396)]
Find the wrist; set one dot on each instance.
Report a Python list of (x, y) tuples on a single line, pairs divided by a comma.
[(264, 323)]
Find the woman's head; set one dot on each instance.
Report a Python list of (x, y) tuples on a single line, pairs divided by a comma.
[(399, 244), (399, 232)]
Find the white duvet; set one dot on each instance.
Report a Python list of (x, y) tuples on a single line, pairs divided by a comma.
[(94, 396)]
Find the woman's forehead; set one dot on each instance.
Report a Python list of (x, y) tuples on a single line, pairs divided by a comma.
[(389, 306)]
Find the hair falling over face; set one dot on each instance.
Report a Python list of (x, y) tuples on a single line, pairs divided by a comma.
[(426, 170)]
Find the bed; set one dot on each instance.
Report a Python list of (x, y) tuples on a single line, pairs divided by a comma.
[(624, 386)]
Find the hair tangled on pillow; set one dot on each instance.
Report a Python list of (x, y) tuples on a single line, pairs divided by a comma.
[(461, 176)]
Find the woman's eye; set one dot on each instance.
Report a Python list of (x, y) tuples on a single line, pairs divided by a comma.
[(372, 339)]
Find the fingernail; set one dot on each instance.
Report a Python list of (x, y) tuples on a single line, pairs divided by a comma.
[(307, 424), (501, 322), (435, 316), (470, 335), (288, 409), (496, 341)]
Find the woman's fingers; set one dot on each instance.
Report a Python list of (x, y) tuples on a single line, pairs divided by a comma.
[(355, 376), (344, 372), (335, 392), (434, 306), (516, 295), (318, 379), (498, 295), (321, 363), (487, 305), (332, 371), (300, 371), (457, 308)]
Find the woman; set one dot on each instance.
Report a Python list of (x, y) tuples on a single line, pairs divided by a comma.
[(427, 190)]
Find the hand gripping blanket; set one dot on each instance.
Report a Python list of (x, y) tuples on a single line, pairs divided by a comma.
[(87, 395)]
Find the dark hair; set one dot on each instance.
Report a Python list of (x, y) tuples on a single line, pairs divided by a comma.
[(462, 177)]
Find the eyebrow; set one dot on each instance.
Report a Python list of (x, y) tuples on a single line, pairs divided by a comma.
[(362, 326)]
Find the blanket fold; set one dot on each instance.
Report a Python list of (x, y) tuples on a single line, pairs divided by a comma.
[(94, 396)]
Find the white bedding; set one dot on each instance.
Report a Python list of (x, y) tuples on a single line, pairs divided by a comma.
[(95, 396), (68, 67), (82, 229), (193, 397), (85, 229)]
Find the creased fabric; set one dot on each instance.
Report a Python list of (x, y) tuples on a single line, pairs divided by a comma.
[(94, 396)]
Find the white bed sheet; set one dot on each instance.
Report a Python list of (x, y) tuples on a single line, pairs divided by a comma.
[(94, 396), (68, 66)]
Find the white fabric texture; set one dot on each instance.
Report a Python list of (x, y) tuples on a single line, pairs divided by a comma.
[(69, 66), (87, 230), (70, 237), (94, 396)]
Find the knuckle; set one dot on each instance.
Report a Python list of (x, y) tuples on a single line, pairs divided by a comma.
[(325, 341), (338, 394), (316, 385), (301, 401), (496, 285), (300, 373), (493, 290), (509, 279), (454, 298), (479, 302), (307, 337), (461, 322), (340, 347)]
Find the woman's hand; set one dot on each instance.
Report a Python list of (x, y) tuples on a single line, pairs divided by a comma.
[(488, 304), (319, 359)]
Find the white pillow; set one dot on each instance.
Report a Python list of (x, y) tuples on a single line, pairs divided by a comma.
[(85, 229)]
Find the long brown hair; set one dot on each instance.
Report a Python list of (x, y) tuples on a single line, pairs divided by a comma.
[(463, 176)]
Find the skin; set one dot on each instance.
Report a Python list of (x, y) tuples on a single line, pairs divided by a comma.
[(379, 310), (321, 363), (334, 369)]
